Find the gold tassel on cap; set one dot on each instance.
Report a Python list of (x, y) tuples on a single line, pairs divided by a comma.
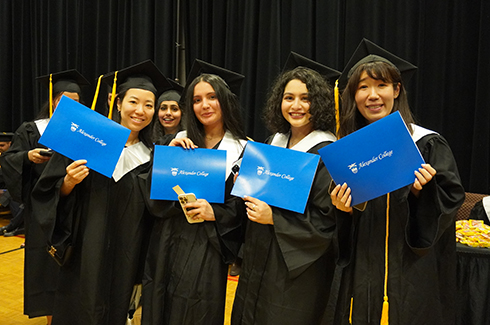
[(350, 311), (113, 96), (96, 93), (50, 95), (386, 306), (337, 110)]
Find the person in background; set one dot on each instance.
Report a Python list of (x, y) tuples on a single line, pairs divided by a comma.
[(187, 264), (169, 111), (399, 254), (288, 257), (102, 220), (22, 166), (16, 224)]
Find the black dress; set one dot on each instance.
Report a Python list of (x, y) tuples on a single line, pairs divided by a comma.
[(187, 264), (288, 267), (421, 249), (40, 271), (96, 283)]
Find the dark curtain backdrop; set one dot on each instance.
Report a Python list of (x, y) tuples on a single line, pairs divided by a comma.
[(448, 40)]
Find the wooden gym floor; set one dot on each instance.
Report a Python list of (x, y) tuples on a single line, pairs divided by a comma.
[(12, 284)]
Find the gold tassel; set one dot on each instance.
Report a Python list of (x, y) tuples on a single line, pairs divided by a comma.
[(113, 97), (50, 95), (384, 311), (337, 110), (96, 94), (350, 312)]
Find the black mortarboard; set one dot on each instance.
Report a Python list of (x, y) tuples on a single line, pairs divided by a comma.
[(6, 136), (297, 60), (171, 94), (144, 75), (366, 52), (233, 80), (69, 80)]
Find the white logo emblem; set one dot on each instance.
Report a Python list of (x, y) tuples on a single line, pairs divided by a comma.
[(353, 168), (73, 127), (260, 170), (174, 171)]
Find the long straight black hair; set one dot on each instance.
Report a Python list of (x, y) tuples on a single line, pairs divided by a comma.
[(351, 119), (230, 108)]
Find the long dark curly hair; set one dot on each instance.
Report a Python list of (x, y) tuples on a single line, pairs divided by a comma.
[(351, 119), (320, 95), (230, 108)]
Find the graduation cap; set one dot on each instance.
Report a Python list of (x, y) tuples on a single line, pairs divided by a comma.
[(68, 80), (144, 75), (368, 52), (232, 79), (6, 136), (172, 94), (297, 60)]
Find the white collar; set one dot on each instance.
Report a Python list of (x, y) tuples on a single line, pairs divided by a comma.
[(486, 205), (233, 147), (41, 125), (131, 157), (420, 132), (308, 142)]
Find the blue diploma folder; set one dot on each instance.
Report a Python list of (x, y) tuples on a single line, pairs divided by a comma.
[(278, 176), (198, 171), (375, 160), (78, 132)]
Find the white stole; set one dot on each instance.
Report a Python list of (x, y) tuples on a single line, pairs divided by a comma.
[(308, 142), (131, 157), (233, 147)]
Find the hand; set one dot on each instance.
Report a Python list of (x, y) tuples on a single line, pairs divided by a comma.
[(200, 209), (185, 143), (75, 173), (258, 211), (341, 198), (36, 157), (423, 176)]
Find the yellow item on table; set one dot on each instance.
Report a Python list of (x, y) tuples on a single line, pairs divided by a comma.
[(473, 233)]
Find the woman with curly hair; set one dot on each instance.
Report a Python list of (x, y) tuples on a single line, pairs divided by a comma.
[(288, 260)]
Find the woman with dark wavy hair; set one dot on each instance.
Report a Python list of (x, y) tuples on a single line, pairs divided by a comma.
[(288, 260), (187, 264)]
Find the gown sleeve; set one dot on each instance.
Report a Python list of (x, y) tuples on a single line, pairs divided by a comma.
[(433, 212), (54, 213), (304, 237), (16, 166)]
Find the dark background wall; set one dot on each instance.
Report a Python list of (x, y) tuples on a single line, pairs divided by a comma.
[(449, 41)]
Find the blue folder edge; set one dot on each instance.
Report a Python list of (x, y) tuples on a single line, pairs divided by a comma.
[(375, 160), (198, 171), (277, 190), (78, 132)]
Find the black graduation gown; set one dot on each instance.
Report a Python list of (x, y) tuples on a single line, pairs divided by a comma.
[(40, 271), (186, 268), (288, 267), (422, 249), (96, 283)]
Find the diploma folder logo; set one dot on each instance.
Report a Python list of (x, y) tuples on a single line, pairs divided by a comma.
[(174, 171), (375, 160)]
